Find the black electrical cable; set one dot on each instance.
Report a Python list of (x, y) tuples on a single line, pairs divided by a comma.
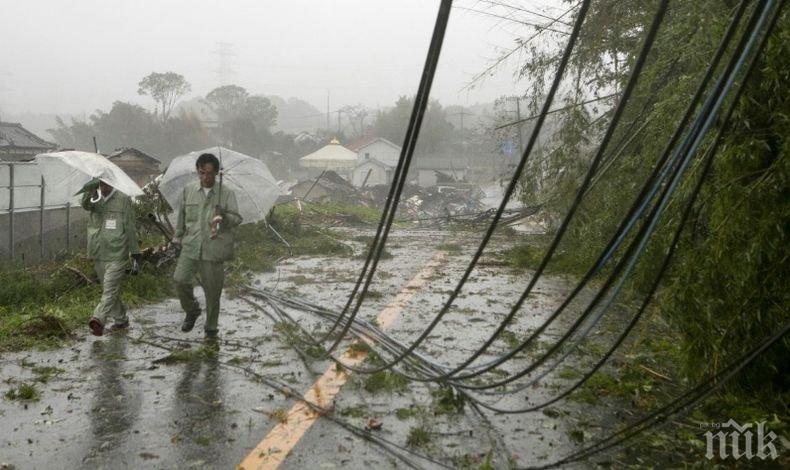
[(686, 212), (590, 273), (286, 390), (684, 151), (497, 216), (636, 71), (412, 132), (707, 159), (421, 104), (706, 166)]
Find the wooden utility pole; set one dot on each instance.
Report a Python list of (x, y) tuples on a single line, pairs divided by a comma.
[(518, 118), (41, 222), (463, 113), (11, 210)]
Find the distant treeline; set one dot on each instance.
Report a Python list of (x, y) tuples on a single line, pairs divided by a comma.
[(231, 116)]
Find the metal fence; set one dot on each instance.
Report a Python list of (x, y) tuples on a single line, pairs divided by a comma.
[(36, 222)]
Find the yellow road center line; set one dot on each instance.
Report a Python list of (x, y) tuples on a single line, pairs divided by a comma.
[(274, 448)]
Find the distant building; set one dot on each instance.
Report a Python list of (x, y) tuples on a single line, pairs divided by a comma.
[(375, 147), (332, 156), (142, 168), (18, 144), (372, 172), (329, 187), (439, 169), (377, 158)]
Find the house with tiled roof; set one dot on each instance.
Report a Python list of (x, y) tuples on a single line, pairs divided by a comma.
[(18, 144), (141, 167)]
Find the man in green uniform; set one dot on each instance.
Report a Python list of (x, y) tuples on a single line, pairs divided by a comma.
[(112, 238), (206, 218)]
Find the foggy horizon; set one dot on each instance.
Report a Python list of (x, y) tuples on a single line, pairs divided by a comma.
[(75, 59)]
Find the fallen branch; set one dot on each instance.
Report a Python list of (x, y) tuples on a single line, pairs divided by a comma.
[(656, 374), (82, 275)]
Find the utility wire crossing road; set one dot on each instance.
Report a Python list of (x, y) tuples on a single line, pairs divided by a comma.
[(274, 448)]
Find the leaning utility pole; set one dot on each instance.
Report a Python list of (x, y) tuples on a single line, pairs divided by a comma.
[(463, 113), (518, 118)]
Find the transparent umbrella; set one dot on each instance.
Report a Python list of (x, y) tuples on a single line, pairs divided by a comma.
[(250, 179), (67, 172)]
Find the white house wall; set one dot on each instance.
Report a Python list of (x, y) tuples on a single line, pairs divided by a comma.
[(379, 150), (378, 175)]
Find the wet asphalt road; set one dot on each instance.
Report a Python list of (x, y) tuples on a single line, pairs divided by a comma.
[(112, 404)]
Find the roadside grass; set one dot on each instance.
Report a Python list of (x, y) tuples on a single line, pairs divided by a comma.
[(52, 301), (404, 414), (180, 356), (23, 392), (385, 253), (528, 254), (419, 437), (45, 373), (259, 248), (447, 401), (385, 382), (280, 415), (48, 305), (358, 411), (452, 248), (330, 212)]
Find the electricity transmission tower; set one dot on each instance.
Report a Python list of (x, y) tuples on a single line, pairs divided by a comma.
[(225, 70)]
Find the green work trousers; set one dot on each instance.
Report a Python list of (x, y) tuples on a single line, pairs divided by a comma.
[(212, 278), (111, 308)]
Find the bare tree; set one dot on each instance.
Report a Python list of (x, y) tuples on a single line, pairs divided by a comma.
[(166, 89), (356, 115)]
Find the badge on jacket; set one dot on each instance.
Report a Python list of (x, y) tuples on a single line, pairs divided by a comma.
[(110, 224)]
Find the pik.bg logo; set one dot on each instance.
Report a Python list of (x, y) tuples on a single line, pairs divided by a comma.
[(735, 441)]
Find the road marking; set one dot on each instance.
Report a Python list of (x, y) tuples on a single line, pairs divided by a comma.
[(276, 446)]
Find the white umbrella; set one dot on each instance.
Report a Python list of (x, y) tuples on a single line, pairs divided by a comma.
[(250, 179), (68, 172)]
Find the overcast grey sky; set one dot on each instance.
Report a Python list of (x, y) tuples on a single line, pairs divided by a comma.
[(77, 56)]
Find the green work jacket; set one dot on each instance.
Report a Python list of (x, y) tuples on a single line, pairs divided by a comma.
[(194, 218), (112, 231)]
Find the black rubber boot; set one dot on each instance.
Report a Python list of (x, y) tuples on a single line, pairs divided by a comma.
[(189, 322), (119, 327), (96, 326)]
